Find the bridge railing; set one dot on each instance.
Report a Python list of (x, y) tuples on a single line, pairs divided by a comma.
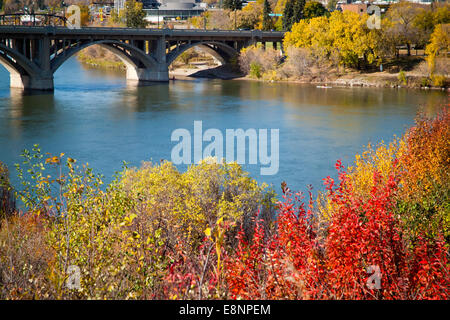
[(166, 31), (35, 19)]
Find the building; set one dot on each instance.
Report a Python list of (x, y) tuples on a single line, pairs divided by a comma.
[(359, 8), (173, 10)]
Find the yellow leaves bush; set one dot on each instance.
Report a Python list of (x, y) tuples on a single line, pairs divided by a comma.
[(379, 158), (124, 237), (186, 204)]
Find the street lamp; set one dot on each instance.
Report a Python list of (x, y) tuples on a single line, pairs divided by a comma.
[(32, 14), (25, 10), (63, 4)]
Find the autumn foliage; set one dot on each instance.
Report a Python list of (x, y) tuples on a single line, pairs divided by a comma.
[(380, 230), (331, 254)]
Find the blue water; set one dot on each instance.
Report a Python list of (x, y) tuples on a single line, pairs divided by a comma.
[(95, 117)]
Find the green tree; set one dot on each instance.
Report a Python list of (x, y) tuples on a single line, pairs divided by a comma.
[(134, 14), (293, 13), (233, 5), (267, 23), (297, 14), (287, 14), (314, 9)]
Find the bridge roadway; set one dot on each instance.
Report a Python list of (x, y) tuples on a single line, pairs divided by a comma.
[(33, 54)]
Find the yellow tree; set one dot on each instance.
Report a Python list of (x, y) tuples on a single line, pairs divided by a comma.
[(250, 17), (343, 34), (84, 15), (439, 42)]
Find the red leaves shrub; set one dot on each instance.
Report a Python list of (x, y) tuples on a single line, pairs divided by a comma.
[(429, 271), (282, 266), (297, 262), (363, 234), (365, 237)]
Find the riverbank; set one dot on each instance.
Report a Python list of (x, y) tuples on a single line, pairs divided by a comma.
[(376, 80), (102, 60), (205, 69)]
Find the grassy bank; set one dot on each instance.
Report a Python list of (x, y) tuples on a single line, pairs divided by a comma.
[(213, 232), (98, 57)]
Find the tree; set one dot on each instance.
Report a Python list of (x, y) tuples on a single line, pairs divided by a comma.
[(267, 23), (314, 9), (344, 34), (287, 15), (84, 15), (428, 18), (134, 14), (401, 21), (439, 43), (293, 13), (251, 16), (233, 5), (297, 14)]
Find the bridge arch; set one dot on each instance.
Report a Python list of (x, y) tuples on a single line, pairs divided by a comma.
[(23, 72), (15, 62), (132, 56), (219, 50)]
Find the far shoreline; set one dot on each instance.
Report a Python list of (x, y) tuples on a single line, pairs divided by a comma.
[(349, 80)]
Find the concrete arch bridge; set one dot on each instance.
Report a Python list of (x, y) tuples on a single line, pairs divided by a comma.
[(33, 54)]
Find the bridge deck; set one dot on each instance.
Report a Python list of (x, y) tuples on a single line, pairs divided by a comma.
[(129, 33)]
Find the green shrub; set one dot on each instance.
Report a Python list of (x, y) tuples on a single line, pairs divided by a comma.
[(402, 78), (255, 70), (425, 82)]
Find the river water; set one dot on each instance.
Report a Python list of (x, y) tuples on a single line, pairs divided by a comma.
[(95, 117)]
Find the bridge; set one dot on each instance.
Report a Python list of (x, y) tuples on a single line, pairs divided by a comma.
[(33, 54)]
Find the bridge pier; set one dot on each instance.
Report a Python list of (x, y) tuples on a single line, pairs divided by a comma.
[(159, 73), (27, 82)]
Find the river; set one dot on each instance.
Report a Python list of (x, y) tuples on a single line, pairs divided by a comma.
[(95, 117)]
